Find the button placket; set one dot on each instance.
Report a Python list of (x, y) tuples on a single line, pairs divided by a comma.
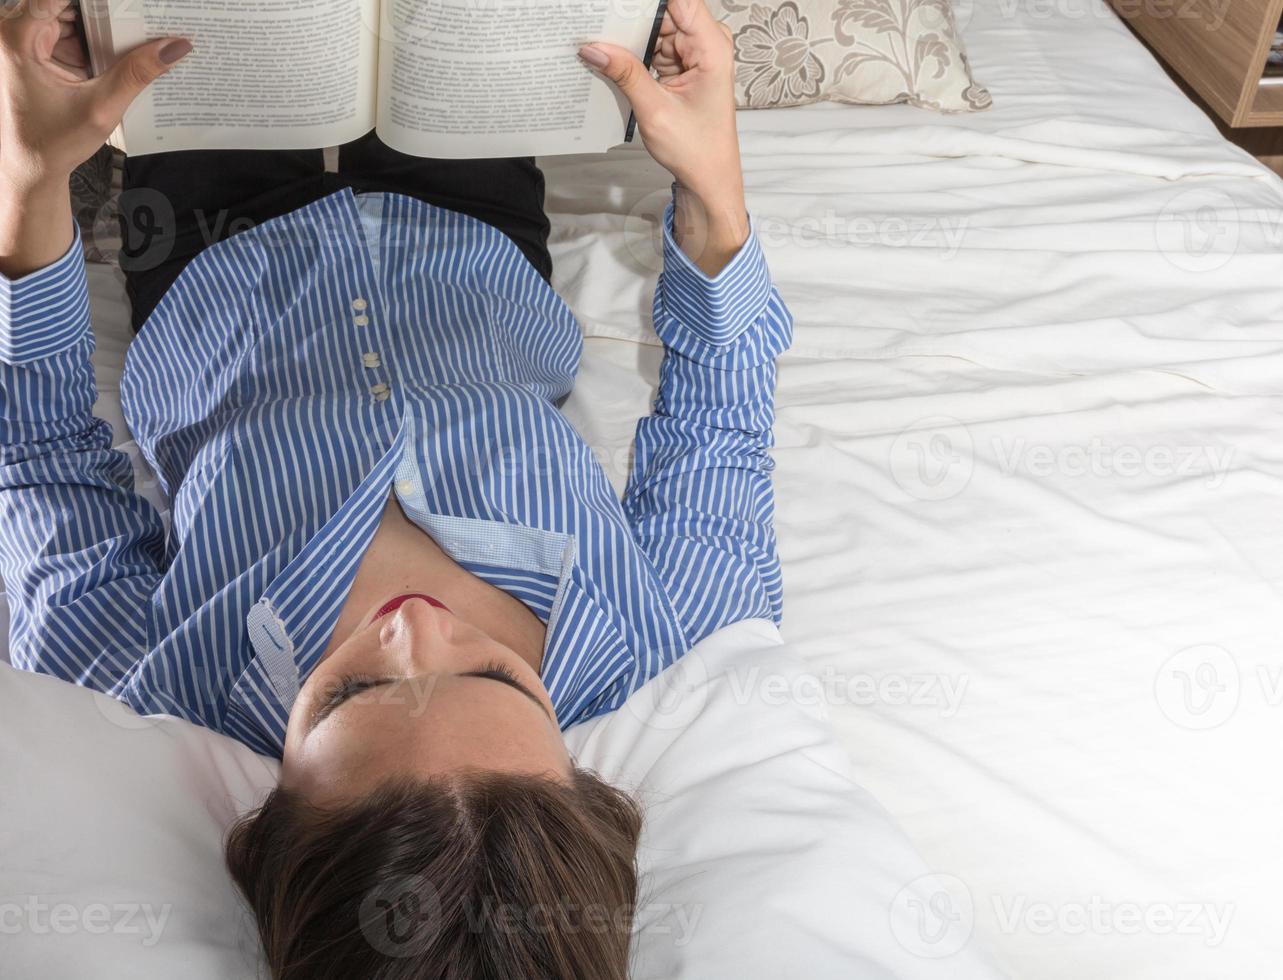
[(370, 360)]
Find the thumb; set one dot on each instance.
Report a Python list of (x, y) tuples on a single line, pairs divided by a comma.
[(625, 69), (125, 81)]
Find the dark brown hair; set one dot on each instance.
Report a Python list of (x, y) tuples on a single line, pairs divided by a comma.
[(484, 876)]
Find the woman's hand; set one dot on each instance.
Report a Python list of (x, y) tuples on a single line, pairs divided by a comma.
[(687, 119), (52, 117)]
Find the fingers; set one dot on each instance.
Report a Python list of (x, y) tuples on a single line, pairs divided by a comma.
[(665, 60), (666, 68), (26, 13), (62, 45), (701, 40), (31, 28), (113, 93), (698, 37), (690, 16), (623, 68), (69, 53)]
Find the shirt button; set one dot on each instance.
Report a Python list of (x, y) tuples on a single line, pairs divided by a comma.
[(371, 360), (404, 487), (359, 304), (361, 321), (380, 391)]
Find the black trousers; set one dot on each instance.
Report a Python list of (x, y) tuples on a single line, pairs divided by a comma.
[(174, 205)]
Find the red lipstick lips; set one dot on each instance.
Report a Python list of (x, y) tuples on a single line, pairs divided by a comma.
[(394, 604)]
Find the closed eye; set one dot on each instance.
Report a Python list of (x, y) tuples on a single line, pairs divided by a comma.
[(500, 673), (350, 686)]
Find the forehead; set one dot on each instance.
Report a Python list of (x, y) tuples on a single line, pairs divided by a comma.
[(422, 730)]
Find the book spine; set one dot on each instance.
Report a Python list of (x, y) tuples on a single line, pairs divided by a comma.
[(647, 58)]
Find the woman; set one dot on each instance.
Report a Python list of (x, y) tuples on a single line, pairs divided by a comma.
[(392, 564)]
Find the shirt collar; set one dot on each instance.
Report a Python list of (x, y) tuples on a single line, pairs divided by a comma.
[(291, 624)]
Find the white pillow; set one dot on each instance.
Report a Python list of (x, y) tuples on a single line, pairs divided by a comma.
[(760, 856)]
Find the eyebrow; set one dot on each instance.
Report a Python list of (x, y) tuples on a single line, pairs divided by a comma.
[(336, 702)]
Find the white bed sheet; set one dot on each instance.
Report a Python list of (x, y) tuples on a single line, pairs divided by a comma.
[(1030, 476), (1029, 479)]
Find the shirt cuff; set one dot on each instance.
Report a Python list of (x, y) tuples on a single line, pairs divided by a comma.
[(716, 309), (46, 311)]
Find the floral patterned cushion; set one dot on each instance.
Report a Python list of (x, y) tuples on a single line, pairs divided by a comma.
[(95, 188), (870, 52)]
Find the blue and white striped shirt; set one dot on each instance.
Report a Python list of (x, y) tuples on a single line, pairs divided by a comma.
[(296, 375)]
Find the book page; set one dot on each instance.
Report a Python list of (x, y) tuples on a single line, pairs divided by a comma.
[(496, 78), (264, 74)]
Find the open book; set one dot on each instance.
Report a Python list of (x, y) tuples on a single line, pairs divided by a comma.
[(435, 78)]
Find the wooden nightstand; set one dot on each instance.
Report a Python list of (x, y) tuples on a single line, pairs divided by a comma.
[(1216, 49)]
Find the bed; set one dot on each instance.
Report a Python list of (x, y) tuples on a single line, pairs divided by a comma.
[(1029, 478)]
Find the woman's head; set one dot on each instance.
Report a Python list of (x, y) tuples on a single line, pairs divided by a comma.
[(478, 876), (415, 693), (429, 821)]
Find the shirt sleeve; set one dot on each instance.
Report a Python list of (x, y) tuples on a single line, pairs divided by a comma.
[(699, 496), (80, 553)]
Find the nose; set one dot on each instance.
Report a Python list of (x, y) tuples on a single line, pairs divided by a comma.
[(418, 629)]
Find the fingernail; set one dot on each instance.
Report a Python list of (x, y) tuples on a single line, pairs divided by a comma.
[(594, 56), (175, 50)]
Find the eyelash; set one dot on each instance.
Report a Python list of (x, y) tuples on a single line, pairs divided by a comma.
[(499, 667), (349, 685)]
